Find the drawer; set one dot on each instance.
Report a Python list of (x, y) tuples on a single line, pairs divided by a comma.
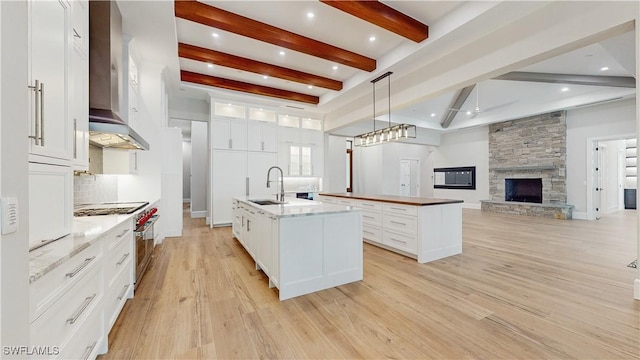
[(405, 224), (400, 209), (372, 233), (347, 202), (326, 199), (369, 205), (372, 218), (119, 260), (46, 290), (406, 243), (86, 342), (119, 234), (66, 316), (115, 297)]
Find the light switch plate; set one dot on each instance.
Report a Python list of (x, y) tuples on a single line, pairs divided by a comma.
[(9, 208)]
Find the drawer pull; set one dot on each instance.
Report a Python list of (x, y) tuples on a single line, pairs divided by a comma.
[(89, 349), (367, 216), (368, 232), (82, 266), (124, 291), (398, 223), (82, 308), (399, 209), (124, 257), (122, 233), (400, 241)]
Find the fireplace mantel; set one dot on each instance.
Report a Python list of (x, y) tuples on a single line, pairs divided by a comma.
[(525, 168)]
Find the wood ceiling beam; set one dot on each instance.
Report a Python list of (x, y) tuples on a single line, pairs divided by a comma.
[(235, 85), (236, 62), (383, 16), (224, 20)]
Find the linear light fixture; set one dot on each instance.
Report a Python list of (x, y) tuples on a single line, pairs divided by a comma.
[(395, 133)]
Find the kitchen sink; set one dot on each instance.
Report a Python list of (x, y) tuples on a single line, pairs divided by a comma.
[(268, 202)]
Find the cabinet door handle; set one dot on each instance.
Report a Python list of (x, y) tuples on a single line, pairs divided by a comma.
[(122, 233), (36, 111), (75, 138), (88, 350), (124, 257), (230, 143), (134, 109), (248, 226), (398, 223), (79, 268), (124, 291), (76, 35), (82, 308), (42, 113), (400, 241), (262, 145)]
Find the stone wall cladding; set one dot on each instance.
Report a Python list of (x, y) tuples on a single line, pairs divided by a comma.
[(539, 140), (532, 147)]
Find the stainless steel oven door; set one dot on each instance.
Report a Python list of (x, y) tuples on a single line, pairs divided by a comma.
[(144, 247)]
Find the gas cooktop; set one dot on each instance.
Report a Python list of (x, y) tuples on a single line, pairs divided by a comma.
[(109, 208)]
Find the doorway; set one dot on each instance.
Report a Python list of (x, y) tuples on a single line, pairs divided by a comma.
[(409, 177), (608, 177)]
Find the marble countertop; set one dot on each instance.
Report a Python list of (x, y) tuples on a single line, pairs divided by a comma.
[(86, 231), (405, 200), (297, 207)]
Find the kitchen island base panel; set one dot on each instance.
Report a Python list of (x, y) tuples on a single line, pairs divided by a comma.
[(441, 230), (319, 252)]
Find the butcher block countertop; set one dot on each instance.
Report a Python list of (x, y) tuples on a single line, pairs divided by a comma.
[(405, 200)]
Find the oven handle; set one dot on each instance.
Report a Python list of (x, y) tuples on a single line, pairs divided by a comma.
[(147, 225)]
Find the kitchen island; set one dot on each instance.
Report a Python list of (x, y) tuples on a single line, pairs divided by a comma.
[(302, 246), (427, 229)]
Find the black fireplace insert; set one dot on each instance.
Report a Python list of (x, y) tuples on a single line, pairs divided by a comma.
[(523, 190)]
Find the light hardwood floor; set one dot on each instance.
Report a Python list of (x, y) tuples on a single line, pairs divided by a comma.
[(523, 288)]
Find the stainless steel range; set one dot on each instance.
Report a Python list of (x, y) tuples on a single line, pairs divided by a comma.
[(115, 208), (144, 240)]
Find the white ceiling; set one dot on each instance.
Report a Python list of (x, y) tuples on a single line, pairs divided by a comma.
[(157, 32)]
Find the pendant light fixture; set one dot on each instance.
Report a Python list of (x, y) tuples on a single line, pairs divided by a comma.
[(399, 132)]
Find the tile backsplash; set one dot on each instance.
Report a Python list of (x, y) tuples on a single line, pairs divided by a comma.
[(89, 189)]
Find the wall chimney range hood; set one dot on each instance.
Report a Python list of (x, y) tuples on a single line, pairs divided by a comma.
[(106, 127)]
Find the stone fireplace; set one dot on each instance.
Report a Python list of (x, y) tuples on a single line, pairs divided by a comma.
[(529, 148)]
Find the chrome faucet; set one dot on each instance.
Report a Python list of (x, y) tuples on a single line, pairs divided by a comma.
[(281, 182)]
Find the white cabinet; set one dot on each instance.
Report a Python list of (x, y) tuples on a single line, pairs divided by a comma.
[(67, 306), (250, 230), (262, 136), (50, 202), (50, 131), (79, 90), (263, 241), (229, 134), (118, 271), (228, 179), (80, 24), (301, 151)]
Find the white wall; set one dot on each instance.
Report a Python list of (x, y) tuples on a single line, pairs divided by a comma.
[(335, 171), (199, 168), (188, 109), (14, 252), (468, 147), (186, 170), (376, 169), (601, 122)]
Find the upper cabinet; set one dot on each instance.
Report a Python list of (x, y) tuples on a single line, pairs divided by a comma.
[(262, 136), (80, 24), (79, 85), (229, 134), (301, 146), (50, 130)]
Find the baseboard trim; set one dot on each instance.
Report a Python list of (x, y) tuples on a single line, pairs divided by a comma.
[(198, 214), (579, 215), (471, 206)]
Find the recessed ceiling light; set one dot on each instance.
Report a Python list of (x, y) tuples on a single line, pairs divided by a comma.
[(335, 67), (215, 35), (209, 66), (310, 87), (372, 38), (281, 52), (265, 77), (433, 114), (310, 15), (468, 112), (604, 68), (565, 89)]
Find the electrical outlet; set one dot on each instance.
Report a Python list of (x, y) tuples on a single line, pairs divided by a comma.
[(9, 210)]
